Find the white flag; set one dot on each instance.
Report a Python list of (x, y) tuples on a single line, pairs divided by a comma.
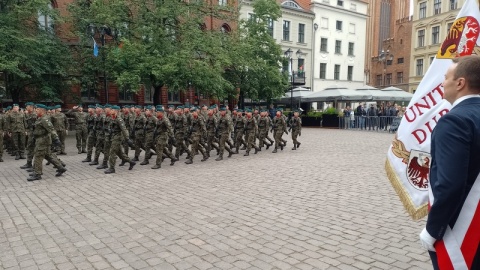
[(408, 158)]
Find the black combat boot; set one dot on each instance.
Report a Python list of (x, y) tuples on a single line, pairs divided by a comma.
[(22, 156), (257, 150), (60, 171), (274, 150), (132, 163), (246, 154), (135, 158), (173, 160), (294, 147), (94, 162), (189, 161), (230, 154), (29, 170), (145, 162), (102, 166), (109, 171), (34, 177), (26, 166), (83, 150), (205, 157), (157, 166), (122, 163), (220, 157), (17, 156), (79, 151), (88, 159), (298, 145), (268, 145), (281, 146)]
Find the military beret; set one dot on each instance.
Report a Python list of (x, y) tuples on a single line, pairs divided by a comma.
[(80, 104), (223, 108), (248, 110), (148, 107), (91, 107), (15, 105), (160, 108), (193, 109), (126, 106), (279, 110), (204, 105), (171, 106), (214, 106), (41, 106), (138, 106), (115, 107), (29, 104), (58, 106), (180, 107), (9, 107), (107, 106), (239, 110)]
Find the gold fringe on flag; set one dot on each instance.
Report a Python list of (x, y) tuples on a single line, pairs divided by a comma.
[(415, 213)]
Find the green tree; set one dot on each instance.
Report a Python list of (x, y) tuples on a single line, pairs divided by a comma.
[(34, 61)]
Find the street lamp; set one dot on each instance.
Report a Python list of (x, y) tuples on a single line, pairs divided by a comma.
[(385, 57), (103, 31), (288, 54)]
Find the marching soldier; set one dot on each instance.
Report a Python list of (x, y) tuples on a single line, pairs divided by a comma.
[(149, 128), (180, 133), (224, 127), (251, 130), (163, 131), (263, 126), (30, 118), (127, 119), (119, 133), (197, 130), (44, 133), (60, 123), (279, 126), (92, 136), (296, 126), (80, 127), (17, 131), (211, 126), (239, 130), (107, 141), (171, 118), (98, 127), (139, 132)]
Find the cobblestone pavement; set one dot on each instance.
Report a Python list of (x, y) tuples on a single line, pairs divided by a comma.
[(327, 205)]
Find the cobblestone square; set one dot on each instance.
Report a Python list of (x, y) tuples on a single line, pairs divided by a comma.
[(328, 205)]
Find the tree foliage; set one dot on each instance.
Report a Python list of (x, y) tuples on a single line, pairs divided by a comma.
[(35, 62)]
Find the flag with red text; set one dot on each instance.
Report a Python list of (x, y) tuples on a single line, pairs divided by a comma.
[(408, 158)]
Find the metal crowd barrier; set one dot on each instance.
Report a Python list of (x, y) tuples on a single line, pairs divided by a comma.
[(370, 123)]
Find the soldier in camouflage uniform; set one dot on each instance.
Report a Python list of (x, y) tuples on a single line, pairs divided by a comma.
[(98, 127), (126, 116), (296, 126), (80, 127), (60, 123), (180, 133), (163, 131), (119, 133), (279, 127), (44, 135), (263, 127), (251, 131), (171, 117), (211, 126), (92, 136), (224, 127), (239, 130), (150, 124), (197, 130), (30, 118), (107, 141), (17, 129), (139, 132)]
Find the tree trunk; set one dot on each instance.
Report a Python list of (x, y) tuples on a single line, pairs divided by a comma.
[(157, 95)]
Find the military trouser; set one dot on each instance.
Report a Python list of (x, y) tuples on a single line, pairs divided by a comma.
[(210, 142), (62, 134), (149, 144), (81, 136), (181, 146), (196, 146), (161, 148), (250, 140), (30, 147), (268, 138), (116, 150), (277, 135), (1, 144), (99, 145), (139, 139), (223, 138), (239, 141), (262, 137), (18, 139), (294, 136), (44, 153), (91, 142), (106, 149)]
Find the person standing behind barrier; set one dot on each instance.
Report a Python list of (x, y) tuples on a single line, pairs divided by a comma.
[(80, 127), (361, 115), (372, 117), (352, 119), (381, 117), (346, 117)]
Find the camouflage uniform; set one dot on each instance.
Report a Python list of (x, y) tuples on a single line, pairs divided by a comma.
[(163, 130), (119, 133), (197, 131), (279, 126), (17, 127), (224, 127), (211, 126), (296, 125), (98, 126), (107, 142), (150, 124), (60, 123), (30, 119), (251, 130), (80, 129), (263, 126), (2, 129), (239, 128), (139, 133), (171, 118), (92, 136), (180, 130)]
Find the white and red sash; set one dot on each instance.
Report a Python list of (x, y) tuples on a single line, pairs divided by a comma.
[(459, 245)]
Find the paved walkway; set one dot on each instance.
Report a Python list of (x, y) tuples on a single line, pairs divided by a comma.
[(328, 205)]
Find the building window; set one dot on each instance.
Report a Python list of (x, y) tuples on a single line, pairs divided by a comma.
[(286, 30), (421, 38), (389, 62), (351, 48), (353, 7), (300, 66), (388, 78), (419, 67), (324, 23), (173, 97), (338, 46), (379, 80), (431, 59), (340, 3), (324, 44), (399, 77), (453, 4), (350, 73), (351, 28), (270, 26), (339, 25), (124, 94), (400, 60), (423, 10), (323, 70), (149, 94), (301, 33), (435, 34), (251, 17), (222, 3), (45, 22), (449, 26), (336, 72), (437, 6)]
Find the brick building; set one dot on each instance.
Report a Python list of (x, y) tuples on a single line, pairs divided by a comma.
[(389, 32), (144, 95)]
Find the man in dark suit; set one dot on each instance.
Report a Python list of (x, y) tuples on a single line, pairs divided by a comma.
[(453, 221)]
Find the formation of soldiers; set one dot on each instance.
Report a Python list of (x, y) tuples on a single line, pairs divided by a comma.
[(113, 132)]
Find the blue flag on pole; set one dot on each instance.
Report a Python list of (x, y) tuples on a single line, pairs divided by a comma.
[(95, 48)]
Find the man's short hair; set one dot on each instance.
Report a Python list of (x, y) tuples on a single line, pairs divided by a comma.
[(468, 67)]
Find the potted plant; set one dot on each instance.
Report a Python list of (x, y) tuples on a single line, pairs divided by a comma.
[(312, 119), (330, 118)]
